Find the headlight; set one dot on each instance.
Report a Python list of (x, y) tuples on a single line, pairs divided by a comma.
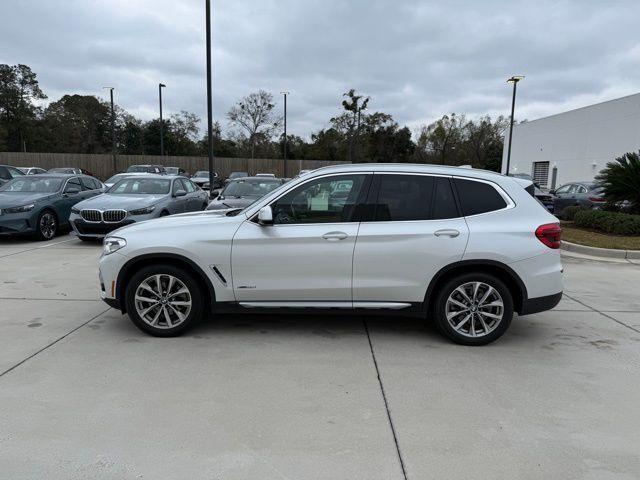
[(142, 211), (23, 208), (113, 244), (75, 210)]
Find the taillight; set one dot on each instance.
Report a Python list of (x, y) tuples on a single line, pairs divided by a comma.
[(597, 199), (550, 234)]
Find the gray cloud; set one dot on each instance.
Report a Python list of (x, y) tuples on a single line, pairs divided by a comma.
[(416, 59)]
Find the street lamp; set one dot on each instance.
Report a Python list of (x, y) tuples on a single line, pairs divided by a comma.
[(209, 99), (515, 79), (285, 132), (113, 131), (160, 87)]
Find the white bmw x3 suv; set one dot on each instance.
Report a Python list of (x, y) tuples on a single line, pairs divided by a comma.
[(466, 248)]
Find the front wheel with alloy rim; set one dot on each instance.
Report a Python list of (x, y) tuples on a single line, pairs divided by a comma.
[(474, 309), (163, 300), (47, 226)]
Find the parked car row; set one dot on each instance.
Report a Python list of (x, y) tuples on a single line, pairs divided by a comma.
[(43, 204)]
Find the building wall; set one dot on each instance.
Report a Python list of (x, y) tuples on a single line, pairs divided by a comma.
[(101, 165), (579, 143)]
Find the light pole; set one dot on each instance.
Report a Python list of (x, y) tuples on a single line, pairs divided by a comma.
[(113, 131), (515, 79), (160, 87), (285, 132), (209, 99)]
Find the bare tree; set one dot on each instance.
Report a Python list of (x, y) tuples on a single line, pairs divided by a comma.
[(254, 114), (356, 104)]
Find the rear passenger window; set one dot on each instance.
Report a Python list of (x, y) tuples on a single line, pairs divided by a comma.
[(404, 197), (444, 204), (478, 197)]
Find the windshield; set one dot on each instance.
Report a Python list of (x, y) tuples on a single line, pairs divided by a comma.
[(141, 186), (114, 179), (137, 169), (238, 174), (201, 173), (255, 187), (61, 170), (33, 185), (172, 170)]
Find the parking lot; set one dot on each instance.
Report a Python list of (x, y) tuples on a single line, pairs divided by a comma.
[(84, 394)]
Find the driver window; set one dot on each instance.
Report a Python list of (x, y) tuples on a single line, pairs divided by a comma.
[(73, 185), (325, 200), (563, 189)]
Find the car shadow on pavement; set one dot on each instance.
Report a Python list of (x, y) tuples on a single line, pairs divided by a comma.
[(523, 330)]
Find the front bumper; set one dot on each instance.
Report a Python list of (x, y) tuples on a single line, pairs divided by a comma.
[(108, 271), (17, 223)]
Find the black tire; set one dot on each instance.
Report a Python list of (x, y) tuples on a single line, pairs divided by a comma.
[(47, 225), (464, 336), (163, 329), (204, 206), (164, 213)]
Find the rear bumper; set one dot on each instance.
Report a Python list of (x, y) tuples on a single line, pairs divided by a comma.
[(540, 304)]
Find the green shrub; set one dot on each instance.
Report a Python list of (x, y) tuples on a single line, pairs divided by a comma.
[(620, 180), (569, 213), (609, 222)]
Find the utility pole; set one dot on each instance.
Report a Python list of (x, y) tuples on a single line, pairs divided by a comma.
[(160, 87), (209, 99), (113, 131), (515, 79), (285, 132)]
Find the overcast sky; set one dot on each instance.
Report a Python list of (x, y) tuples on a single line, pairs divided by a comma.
[(417, 59)]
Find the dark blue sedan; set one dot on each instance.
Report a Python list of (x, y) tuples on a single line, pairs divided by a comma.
[(40, 205)]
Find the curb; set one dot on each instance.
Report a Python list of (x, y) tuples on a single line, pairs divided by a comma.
[(600, 252)]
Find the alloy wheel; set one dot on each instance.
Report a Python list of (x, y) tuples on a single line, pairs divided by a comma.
[(163, 301), (48, 225), (474, 309)]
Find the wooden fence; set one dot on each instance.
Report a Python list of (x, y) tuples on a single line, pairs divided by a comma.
[(101, 165)]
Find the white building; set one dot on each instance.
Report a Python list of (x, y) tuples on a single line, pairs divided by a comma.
[(574, 145)]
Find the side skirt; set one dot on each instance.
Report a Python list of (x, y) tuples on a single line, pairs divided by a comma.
[(322, 308)]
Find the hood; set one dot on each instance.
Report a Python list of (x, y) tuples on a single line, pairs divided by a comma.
[(17, 199), (231, 202), (107, 201), (176, 223)]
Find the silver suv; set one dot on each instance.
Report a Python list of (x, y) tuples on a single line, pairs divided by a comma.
[(465, 248)]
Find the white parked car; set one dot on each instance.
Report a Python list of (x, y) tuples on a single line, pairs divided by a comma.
[(466, 248)]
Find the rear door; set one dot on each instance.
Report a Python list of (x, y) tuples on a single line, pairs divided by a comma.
[(414, 230)]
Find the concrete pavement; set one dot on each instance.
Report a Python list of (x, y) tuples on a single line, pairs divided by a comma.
[(86, 395)]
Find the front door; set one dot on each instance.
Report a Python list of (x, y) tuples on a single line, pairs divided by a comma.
[(306, 255), (415, 230)]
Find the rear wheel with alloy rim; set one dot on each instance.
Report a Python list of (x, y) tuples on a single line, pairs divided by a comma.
[(474, 309), (47, 226), (163, 300)]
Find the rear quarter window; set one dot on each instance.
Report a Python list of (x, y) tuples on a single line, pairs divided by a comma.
[(478, 197)]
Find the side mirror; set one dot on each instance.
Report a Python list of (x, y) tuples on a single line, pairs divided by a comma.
[(265, 216), (179, 193)]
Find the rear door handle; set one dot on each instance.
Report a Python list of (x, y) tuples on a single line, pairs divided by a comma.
[(334, 236), (447, 233)]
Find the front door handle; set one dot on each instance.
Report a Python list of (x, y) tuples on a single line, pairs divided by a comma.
[(334, 236), (447, 233)]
